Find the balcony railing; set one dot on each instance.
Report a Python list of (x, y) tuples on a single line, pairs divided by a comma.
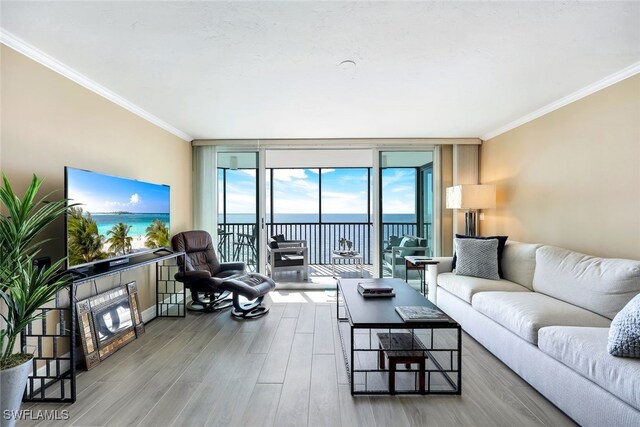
[(236, 239)]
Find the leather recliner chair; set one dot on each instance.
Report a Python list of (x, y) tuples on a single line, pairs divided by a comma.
[(211, 282), (202, 273)]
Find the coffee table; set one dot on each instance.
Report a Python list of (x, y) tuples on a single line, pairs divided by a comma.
[(370, 329)]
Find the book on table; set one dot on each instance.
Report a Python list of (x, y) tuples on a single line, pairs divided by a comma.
[(372, 289), (421, 314)]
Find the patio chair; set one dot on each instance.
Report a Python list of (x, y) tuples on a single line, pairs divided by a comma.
[(398, 247), (287, 255), (246, 243)]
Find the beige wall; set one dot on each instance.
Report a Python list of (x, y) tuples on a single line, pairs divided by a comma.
[(572, 177), (49, 122)]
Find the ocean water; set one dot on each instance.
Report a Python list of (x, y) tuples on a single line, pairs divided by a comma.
[(138, 222), (314, 218)]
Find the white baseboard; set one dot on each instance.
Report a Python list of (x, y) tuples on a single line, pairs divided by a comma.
[(151, 313), (148, 314)]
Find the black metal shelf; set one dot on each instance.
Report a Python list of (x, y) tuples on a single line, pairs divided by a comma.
[(59, 364)]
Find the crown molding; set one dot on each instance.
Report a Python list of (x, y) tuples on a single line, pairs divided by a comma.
[(625, 73), (37, 55)]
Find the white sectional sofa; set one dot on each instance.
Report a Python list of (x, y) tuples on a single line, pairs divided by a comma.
[(548, 320)]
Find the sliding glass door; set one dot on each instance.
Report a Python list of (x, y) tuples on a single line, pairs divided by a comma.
[(238, 212), (406, 208), (321, 206)]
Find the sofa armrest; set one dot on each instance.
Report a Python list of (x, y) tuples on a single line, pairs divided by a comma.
[(396, 249), (444, 264), (292, 244), (291, 250)]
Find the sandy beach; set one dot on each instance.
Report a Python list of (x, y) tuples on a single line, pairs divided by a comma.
[(137, 243)]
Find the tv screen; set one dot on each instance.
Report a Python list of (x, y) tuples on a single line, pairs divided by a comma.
[(117, 217)]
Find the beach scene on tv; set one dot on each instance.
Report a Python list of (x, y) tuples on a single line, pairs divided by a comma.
[(116, 216)]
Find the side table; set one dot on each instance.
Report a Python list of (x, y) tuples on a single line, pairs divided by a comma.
[(420, 263), (359, 261)]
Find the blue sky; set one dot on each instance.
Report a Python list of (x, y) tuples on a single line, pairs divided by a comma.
[(343, 191), (104, 193)]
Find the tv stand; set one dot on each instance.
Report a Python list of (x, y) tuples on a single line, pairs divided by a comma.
[(117, 262), (160, 250), (54, 377)]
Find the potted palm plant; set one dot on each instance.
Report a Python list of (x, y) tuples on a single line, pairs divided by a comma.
[(23, 287)]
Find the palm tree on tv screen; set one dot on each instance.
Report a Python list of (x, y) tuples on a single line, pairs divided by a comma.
[(119, 242), (157, 234), (85, 242)]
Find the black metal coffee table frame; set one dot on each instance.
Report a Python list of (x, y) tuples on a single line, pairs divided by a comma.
[(378, 314)]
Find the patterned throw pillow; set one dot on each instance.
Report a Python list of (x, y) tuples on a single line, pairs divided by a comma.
[(502, 241), (624, 334), (477, 258)]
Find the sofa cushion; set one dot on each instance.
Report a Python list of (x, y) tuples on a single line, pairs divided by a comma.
[(477, 258), (465, 287), (519, 262), (624, 335), (601, 285), (393, 241), (408, 242), (585, 351), (524, 313)]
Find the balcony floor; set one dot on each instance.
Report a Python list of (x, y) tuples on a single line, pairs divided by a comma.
[(320, 276)]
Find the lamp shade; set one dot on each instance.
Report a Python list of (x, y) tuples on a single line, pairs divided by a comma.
[(471, 196)]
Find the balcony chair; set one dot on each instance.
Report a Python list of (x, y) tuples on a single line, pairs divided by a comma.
[(211, 282), (247, 243), (287, 255), (397, 248)]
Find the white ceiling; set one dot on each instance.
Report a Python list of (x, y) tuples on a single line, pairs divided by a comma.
[(272, 69)]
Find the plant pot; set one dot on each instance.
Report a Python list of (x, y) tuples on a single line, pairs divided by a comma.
[(12, 384)]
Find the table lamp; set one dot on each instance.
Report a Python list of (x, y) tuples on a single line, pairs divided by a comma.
[(471, 197)]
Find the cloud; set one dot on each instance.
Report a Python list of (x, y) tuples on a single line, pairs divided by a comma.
[(399, 207), (134, 200), (393, 176), (344, 202), (289, 175), (323, 171), (241, 198)]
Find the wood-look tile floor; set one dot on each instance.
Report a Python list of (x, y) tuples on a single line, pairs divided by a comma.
[(284, 369)]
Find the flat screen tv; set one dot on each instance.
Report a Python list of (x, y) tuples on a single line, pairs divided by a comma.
[(116, 219)]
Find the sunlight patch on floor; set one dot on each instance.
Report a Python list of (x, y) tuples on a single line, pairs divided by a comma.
[(304, 297)]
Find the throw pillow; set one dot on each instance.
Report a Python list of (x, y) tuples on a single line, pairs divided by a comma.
[(393, 241), (477, 258), (273, 244), (407, 242), (502, 241), (624, 333), (278, 238)]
